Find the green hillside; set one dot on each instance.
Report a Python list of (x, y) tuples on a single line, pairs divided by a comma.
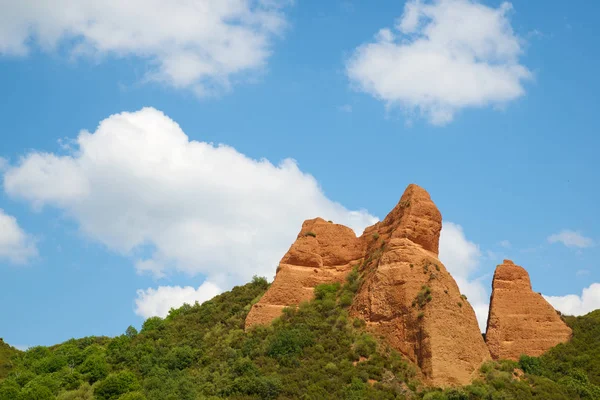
[(314, 351), (7, 354)]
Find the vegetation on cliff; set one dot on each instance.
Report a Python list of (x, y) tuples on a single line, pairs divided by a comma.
[(314, 351)]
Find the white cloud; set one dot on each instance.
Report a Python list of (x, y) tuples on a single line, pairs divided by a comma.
[(158, 302), (442, 56), (462, 259), (199, 44), (571, 239), (347, 108), (459, 255), (142, 188), (16, 246), (573, 304)]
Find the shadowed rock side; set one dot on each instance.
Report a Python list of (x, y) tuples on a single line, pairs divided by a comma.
[(521, 321), (323, 252), (410, 299)]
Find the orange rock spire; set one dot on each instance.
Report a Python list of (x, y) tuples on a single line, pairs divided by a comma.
[(408, 296), (520, 321)]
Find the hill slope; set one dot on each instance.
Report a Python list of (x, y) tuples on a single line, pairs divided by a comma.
[(7, 353), (314, 351)]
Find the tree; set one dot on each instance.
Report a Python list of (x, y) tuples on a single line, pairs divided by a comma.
[(131, 332), (115, 385), (94, 367)]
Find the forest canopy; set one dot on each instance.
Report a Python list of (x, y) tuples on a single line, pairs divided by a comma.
[(314, 351)]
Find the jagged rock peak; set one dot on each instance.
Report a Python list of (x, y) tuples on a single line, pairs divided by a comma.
[(415, 217), (410, 299), (407, 296), (520, 320)]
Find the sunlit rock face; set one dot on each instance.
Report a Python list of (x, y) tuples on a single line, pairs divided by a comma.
[(323, 252), (521, 321), (410, 299), (407, 296)]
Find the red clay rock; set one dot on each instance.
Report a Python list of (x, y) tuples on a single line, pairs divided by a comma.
[(521, 321), (408, 297), (415, 218), (326, 257), (440, 333)]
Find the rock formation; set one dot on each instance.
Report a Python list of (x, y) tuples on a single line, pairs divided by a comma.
[(410, 299), (322, 253), (520, 321), (406, 296)]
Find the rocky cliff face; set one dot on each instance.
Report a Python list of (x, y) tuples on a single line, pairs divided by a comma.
[(407, 296), (410, 299), (323, 252), (520, 321)]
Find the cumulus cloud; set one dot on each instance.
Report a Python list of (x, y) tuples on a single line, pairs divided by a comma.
[(462, 259), (141, 187), (573, 304), (16, 246), (571, 239), (190, 44), (459, 255), (442, 56), (157, 302)]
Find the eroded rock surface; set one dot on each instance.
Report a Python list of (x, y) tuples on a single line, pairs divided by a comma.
[(521, 321), (415, 218), (410, 299), (323, 252), (406, 296)]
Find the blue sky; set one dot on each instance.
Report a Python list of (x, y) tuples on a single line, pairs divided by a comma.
[(492, 107)]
